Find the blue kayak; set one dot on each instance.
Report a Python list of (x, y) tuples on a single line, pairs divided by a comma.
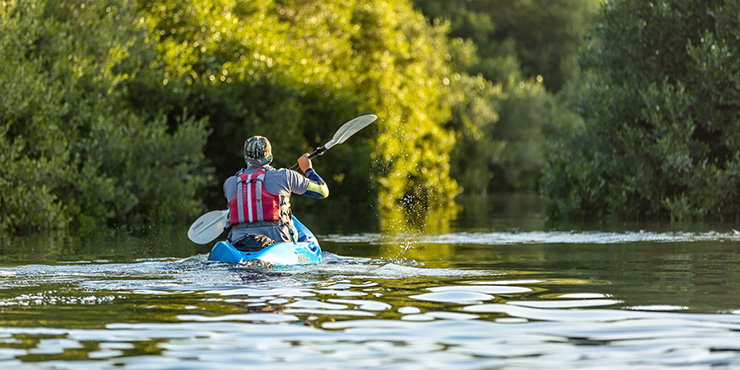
[(305, 251)]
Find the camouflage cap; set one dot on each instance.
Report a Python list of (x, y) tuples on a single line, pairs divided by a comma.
[(257, 151)]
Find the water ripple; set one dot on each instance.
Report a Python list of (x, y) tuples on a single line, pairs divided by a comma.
[(361, 313), (537, 237)]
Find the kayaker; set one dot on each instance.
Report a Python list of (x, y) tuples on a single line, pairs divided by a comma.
[(261, 214)]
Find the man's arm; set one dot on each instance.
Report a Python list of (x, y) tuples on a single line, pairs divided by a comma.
[(230, 188), (317, 186)]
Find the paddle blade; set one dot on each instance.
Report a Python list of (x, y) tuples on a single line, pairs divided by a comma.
[(208, 227), (350, 128)]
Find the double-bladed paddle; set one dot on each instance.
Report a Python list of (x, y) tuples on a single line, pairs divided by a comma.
[(209, 226), (348, 129)]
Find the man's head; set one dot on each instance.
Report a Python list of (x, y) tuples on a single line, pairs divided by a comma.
[(257, 151)]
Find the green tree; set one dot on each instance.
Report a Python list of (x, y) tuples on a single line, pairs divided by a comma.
[(295, 70), (525, 39), (107, 105), (72, 154), (661, 107), (502, 111)]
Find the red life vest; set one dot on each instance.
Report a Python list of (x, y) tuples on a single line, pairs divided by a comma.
[(252, 202)]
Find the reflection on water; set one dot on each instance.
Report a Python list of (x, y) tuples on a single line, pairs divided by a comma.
[(536, 237), (472, 297), (349, 312)]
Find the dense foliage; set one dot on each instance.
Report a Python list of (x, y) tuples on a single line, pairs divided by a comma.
[(294, 71), (661, 103), (133, 112), (513, 57), (70, 152), (521, 38), (108, 108)]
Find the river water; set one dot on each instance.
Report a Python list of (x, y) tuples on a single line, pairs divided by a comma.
[(488, 286)]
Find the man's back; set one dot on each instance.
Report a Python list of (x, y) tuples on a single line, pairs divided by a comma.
[(280, 182)]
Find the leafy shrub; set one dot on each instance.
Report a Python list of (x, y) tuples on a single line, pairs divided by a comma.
[(660, 102), (106, 106), (506, 54), (294, 71), (73, 153)]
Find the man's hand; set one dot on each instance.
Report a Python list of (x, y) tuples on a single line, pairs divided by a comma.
[(304, 162)]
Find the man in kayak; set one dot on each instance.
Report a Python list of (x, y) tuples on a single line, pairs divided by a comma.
[(259, 197)]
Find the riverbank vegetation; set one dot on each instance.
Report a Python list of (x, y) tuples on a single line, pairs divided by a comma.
[(660, 99), (130, 113), (524, 53)]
